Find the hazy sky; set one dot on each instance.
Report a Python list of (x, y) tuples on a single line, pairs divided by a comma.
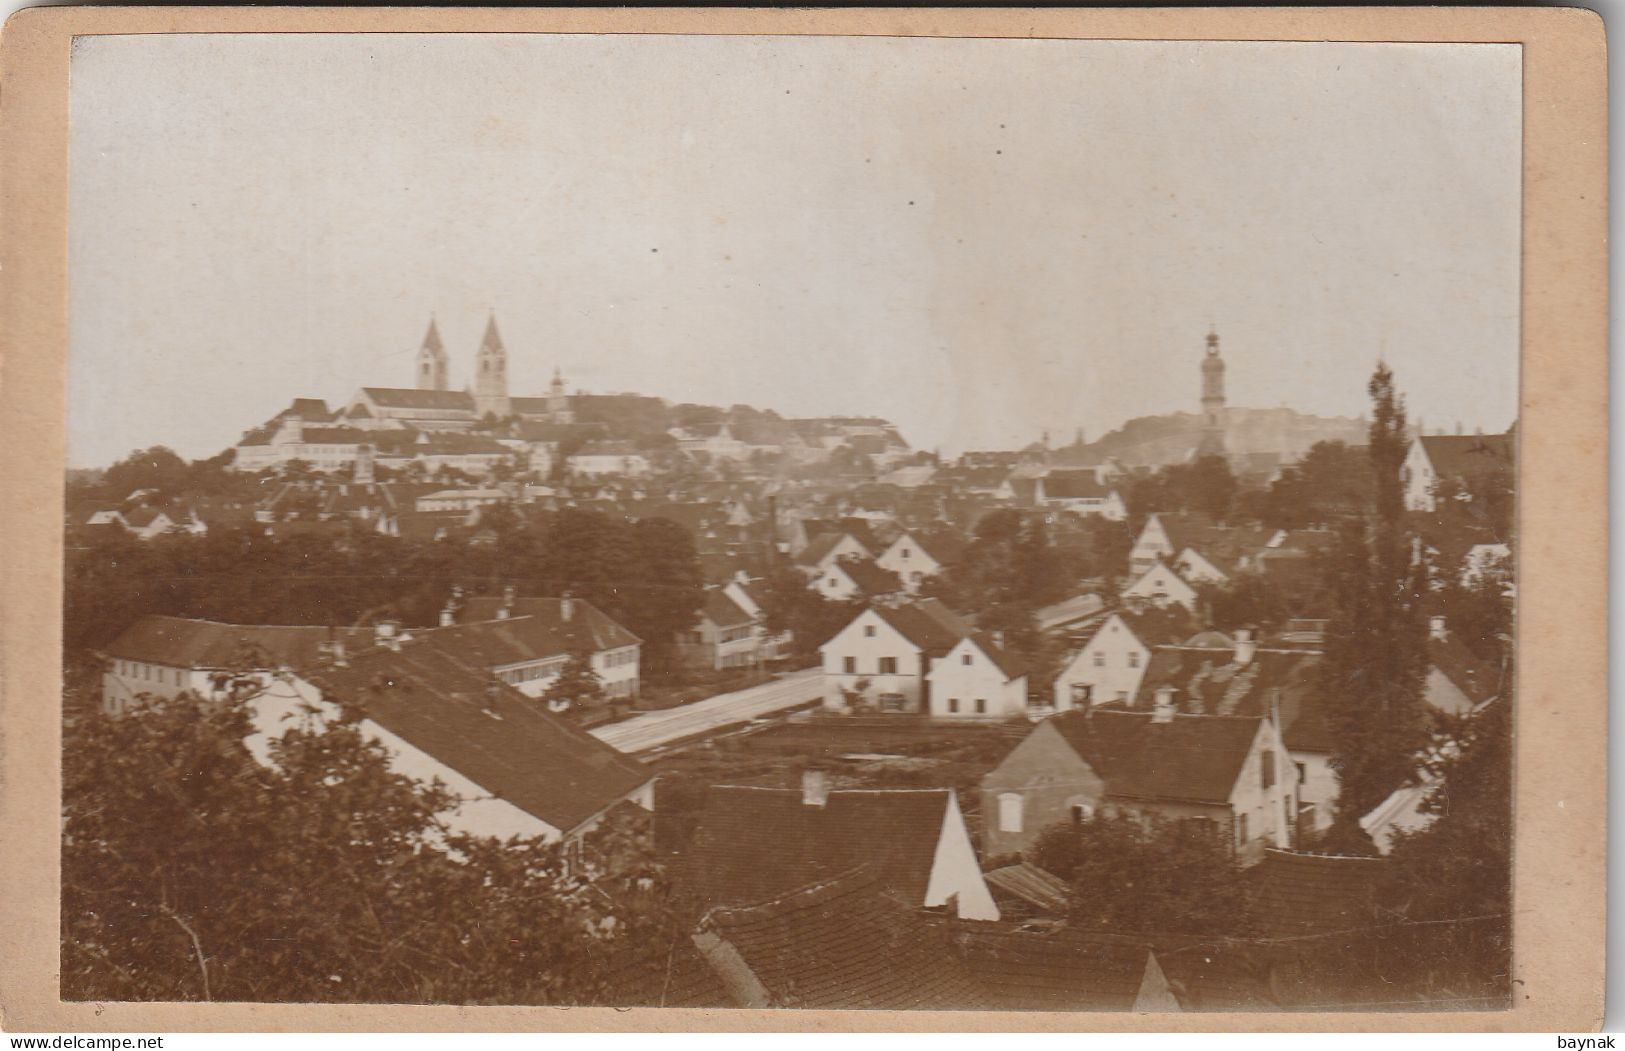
[(975, 238)]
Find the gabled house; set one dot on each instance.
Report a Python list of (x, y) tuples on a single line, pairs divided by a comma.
[(1164, 535), (532, 653), (915, 555), (1438, 460), (517, 769), (726, 636), (850, 579), (1246, 679), (1231, 772), (826, 549), (977, 679), (1081, 492), (753, 845), (883, 656), (1158, 588), (1109, 667), (1459, 682)]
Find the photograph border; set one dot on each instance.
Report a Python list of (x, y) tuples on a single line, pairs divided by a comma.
[(1561, 739)]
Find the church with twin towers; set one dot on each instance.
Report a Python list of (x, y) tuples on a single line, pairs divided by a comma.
[(489, 390)]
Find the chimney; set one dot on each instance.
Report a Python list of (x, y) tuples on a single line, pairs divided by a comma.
[(386, 633), (1245, 646), (998, 638), (506, 609), (1437, 629), (814, 787), (1162, 707), (340, 659), (567, 607)]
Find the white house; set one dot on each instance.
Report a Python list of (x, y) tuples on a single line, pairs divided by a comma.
[(1080, 492), (517, 770), (977, 679), (527, 641), (827, 549), (600, 459), (1159, 587), (854, 578), (915, 556), (1164, 535), (883, 656), (1432, 459), (1108, 668)]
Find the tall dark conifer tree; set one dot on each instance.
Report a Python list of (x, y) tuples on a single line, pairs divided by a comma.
[(1376, 649)]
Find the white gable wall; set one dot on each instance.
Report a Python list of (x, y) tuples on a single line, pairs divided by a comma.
[(1111, 663), (865, 643), (955, 872)]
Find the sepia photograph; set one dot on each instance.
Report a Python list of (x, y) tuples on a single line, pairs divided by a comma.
[(791, 522)]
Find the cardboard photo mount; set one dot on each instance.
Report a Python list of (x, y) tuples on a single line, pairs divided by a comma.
[(1560, 777)]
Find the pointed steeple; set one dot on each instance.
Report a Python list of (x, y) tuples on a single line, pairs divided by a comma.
[(432, 360), (493, 338)]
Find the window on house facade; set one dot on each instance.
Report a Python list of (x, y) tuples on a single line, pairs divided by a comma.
[(1010, 808), (888, 665), (981, 706), (905, 552), (1303, 772), (1082, 812), (1241, 830), (1133, 659), (965, 658), (1266, 770), (868, 631), (1100, 660), (849, 665), (953, 704)]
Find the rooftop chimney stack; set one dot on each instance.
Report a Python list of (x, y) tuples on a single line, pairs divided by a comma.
[(814, 787), (567, 607), (386, 633), (1162, 707), (1437, 629), (1245, 646)]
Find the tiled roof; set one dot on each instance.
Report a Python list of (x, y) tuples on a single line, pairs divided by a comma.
[(1460, 455), (928, 624), (870, 578), (607, 448), (587, 623), (724, 612), (754, 844), (433, 698), (179, 642), (818, 548), (1476, 678), (842, 943), (1191, 758), (1008, 663), (1056, 970), (1067, 611), (313, 410), (1074, 485), (1039, 888), (412, 398), (1314, 893), (946, 547), (1208, 681)]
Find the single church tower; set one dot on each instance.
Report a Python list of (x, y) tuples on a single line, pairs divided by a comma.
[(1212, 399), (491, 374), (432, 360)]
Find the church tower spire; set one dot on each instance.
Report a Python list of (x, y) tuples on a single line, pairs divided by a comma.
[(558, 402), (432, 360), (491, 373), (1212, 399)]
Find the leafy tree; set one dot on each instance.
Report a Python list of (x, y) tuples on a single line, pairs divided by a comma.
[(789, 605), (155, 468), (665, 595), (191, 871), (1206, 485), (1247, 600), (1331, 483), (1376, 646), (576, 687), (1130, 874), (1459, 867)]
